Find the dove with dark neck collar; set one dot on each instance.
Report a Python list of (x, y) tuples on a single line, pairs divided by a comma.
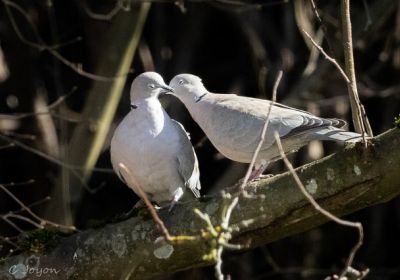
[(234, 123)]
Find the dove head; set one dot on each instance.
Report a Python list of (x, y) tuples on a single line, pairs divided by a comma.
[(187, 87), (148, 85)]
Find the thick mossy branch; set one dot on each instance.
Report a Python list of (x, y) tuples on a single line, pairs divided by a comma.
[(343, 183)]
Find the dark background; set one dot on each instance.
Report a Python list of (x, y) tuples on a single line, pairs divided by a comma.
[(233, 46)]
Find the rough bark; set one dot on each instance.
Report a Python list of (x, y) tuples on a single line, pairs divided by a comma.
[(343, 183)]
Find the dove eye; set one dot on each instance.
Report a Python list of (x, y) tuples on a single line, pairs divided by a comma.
[(181, 82), (152, 86)]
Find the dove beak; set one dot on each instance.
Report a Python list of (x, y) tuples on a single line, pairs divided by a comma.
[(166, 90)]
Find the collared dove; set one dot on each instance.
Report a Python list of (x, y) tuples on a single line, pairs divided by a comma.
[(154, 148), (234, 123)]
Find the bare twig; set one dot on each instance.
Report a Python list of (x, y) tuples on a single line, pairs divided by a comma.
[(23, 218), (14, 214), (222, 234), (48, 110), (206, 218), (50, 158), (41, 46), (226, 214), (24, 136), (22, 183), (358, 109), (327, 57), (12, 224), (7, 146), (40, 221), (368, 14), (361, 123), (73, 168), (218, 266), (47, 198), (148, 204), (323, 26), (263, 133), (153, 211), (108, 16), (315, 10), (67, 43), (18, 116), (9, 241), (314, 55), (321, 210)]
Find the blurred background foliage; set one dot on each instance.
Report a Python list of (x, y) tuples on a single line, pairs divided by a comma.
[(65, 74)]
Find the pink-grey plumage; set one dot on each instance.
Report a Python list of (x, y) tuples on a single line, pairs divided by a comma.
[(234, 123), (155, 149)]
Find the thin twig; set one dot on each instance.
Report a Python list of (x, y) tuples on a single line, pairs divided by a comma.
[(321, 210), (148, 204), (228, 212), (226, 216), (358, 111), (19, 116), (9, 241), (21, 183), (361, 124), (368, 14), (206, 218), (263, 132), (218, 265), (221, 235), (67, 43), (12, 224), (327, 57), (24, 136), (51, 106), (315, 10), (107, 16), (23, 206), (225, 235), (41, 46), (42, 222), (50, 110), (323, 26), (36, 203), (50, 158), (73, 168), (7, 146), (23, 218)]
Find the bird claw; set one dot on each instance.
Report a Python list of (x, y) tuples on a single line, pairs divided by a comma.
[(170, 205)]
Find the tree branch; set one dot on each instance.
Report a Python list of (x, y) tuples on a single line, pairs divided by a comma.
[(350, 180)]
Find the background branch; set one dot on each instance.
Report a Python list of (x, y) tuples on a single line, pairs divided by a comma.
[(88, 139)]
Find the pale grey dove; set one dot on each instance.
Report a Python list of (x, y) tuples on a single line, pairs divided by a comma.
[(154, 148), (234, 123)]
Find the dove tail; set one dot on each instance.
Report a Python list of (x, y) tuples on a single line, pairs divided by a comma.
[(335, 134), (338, 123)]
